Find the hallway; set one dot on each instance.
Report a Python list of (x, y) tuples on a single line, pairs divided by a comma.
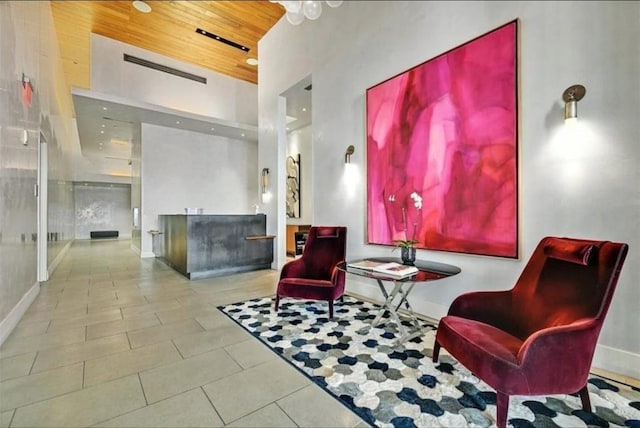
[(115, 340)]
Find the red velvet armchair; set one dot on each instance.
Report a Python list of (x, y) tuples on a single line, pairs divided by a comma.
[(314, 275), (539, 337)]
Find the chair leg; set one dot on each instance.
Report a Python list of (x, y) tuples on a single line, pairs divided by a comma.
[(436, 352), (584, 397), (277, 302), (330, 309), (502, 409)]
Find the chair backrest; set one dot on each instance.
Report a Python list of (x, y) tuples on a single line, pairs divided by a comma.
[(565, 280), (325, 247)]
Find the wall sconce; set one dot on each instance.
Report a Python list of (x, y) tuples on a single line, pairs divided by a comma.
[(264, 181), (348, 153), (571, 96), (265, 195)]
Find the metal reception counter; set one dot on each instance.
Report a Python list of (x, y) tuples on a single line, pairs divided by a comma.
[(203, 246)]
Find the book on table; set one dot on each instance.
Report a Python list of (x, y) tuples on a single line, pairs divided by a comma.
[(389, 268), (395, 269), (365, 264)]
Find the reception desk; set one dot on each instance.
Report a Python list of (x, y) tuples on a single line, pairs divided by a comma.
[(202, 246)]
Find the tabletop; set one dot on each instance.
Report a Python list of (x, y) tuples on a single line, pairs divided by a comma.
[(427, 270)]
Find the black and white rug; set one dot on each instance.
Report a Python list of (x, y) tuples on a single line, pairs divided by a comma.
[(391, 385)]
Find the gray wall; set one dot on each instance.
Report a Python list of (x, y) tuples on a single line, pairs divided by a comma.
[(183, 169), (581, 186), (28, 45), (102, 206)]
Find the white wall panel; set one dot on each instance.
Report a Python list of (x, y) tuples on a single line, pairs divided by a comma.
[(182, 169), (222, 97), (102, 206)]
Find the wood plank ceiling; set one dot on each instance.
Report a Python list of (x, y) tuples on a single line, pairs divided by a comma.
[(169, 29)]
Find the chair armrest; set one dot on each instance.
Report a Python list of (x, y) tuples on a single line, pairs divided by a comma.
[(337, 274), (570, 347), (490, 307), (293, 269)]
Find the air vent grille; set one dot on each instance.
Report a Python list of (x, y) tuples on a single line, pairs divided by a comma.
[(164, 68)]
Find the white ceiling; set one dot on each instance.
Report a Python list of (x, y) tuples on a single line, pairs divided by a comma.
[(108, 124)]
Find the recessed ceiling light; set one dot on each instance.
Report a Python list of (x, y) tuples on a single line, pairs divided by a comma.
[(243, 134), (213, 129), (142, 6), (252, 61), (103, 125), (177, 122), (304, 109), (102, 132), (104, 108)]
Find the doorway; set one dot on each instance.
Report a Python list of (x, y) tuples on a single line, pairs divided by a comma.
[(298, 201), (42, 200)]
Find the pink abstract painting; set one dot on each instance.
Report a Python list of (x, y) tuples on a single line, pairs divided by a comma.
[(442, 151)]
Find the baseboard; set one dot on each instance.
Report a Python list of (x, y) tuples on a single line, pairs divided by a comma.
[(11, 321), (617, 361), (147, 255), (54, 264)]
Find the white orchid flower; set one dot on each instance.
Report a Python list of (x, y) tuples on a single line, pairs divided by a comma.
[(417, 200)]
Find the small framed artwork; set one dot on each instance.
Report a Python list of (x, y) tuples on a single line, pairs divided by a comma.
[(293, 186)]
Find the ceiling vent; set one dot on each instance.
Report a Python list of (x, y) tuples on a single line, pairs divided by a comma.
[(164, 68), (222, 40)]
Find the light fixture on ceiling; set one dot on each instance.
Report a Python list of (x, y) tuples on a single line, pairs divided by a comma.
[(300, 9), (348, 153), (141, 6), (252, 61), (571, 96)]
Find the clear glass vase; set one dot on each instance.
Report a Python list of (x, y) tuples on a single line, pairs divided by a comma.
[(408, 255)]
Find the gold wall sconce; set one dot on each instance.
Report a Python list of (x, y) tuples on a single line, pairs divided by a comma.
[(348, 153), (571, 96)]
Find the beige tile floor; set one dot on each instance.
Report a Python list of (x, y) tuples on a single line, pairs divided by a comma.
[(117, 341)]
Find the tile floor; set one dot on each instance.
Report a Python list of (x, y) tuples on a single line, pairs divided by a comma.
[(117, 341)]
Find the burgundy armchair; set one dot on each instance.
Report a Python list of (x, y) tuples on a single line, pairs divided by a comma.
[(539, 337), (314, 275)]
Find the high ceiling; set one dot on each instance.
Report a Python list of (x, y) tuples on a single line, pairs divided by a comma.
[(169, 30)]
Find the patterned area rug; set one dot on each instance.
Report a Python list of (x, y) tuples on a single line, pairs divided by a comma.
[(390, 385)]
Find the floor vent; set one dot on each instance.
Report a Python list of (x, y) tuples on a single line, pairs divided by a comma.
[(222, 40), (164, 68)]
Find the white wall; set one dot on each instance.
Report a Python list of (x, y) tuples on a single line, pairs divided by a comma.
[(222, 97), (590, 190), (102, 206), (299, 142), (183, 169)]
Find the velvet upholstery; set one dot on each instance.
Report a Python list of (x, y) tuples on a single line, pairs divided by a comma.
[(314, 275), (539, 337)]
